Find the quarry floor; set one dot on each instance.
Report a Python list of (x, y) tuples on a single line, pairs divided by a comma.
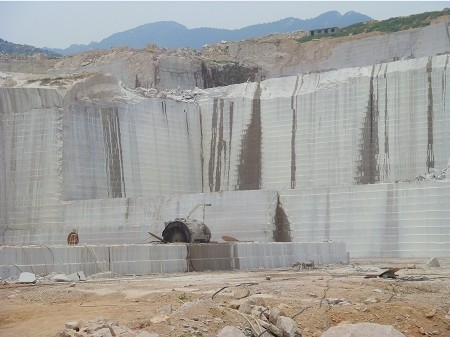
[(182, 304)]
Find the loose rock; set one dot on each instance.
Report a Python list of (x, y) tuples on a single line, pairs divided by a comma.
[(241, 293), (288, 327), (433, 263), (26, 277)]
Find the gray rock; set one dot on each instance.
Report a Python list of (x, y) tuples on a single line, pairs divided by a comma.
[(241, 293), (288, 327), (26, 277), (362, 330), (61, 278), (274, 314), (230, 331), (246, 306), (433, 263)]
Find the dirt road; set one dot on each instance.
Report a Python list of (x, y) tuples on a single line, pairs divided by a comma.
[(182, 304)]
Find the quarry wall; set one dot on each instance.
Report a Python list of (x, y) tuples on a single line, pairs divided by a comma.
[(321, 156)]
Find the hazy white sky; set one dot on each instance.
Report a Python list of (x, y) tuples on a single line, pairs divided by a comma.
[(58, 24)]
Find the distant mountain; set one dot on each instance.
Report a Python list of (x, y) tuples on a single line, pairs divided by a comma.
[(170, 34), (24, 49)]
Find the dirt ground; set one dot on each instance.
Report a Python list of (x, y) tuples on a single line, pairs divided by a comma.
[(183, 304)]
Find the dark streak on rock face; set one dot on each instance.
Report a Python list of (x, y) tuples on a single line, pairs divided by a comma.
[(368, 172), (282, 226), (229, 142), (202, 158), (249, 168), (212, 154), (430, 151), (221, 147), (113, 152)]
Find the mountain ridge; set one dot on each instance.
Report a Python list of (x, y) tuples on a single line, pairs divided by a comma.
[(171, 34)]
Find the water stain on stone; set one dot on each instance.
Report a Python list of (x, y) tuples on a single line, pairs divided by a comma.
[(249, 168), (430, 116), (282, 232), (113, 151), (213, 146), (368, 172)]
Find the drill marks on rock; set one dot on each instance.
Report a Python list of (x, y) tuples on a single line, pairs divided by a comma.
[(430, 116), (390, 242), (113, 152), (249, 168), (294, 132), (387, 165), (368, 171), (221, 147)]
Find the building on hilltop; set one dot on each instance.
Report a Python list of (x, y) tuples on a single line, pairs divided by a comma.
[(323, 31)]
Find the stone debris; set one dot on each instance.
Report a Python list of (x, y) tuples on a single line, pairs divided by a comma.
[(26, 277), (362, 330), (101, 327), (433, 263)]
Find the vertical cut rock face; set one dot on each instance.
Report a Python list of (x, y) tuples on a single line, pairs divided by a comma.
[(343, 149)]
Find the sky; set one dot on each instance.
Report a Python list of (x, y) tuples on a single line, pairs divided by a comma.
[(58, 24)]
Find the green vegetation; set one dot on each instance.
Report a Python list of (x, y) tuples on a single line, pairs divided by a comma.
[(386, 26), (184, 298)]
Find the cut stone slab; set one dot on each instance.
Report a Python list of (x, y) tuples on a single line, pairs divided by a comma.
[(362, 330), (61, 278), (433, 263), (26, 277), (230, 331)]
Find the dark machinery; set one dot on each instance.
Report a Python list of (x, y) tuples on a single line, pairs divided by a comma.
[(186, 230)]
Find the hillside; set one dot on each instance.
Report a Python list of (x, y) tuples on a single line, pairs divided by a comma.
[(24, 49), (171, 34)]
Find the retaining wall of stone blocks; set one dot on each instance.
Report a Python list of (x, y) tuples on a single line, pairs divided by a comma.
[(158, 258)]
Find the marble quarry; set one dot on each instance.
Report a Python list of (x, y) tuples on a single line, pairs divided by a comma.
[(355, 155)]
